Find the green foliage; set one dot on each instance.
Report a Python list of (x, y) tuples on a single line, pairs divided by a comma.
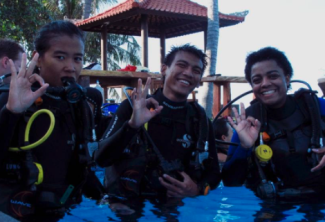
[(120, 48), (20, 18), (64, 9)]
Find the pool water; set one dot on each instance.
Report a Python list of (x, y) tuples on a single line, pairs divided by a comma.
[(221, 205)]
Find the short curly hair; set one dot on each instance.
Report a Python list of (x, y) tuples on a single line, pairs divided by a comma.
[(264, 54)]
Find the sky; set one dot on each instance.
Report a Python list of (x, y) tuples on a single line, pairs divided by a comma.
[(296, 27)]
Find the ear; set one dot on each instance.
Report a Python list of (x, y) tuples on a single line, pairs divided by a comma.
[(163, 69), (287, 77), (223, 137), (4, 62)]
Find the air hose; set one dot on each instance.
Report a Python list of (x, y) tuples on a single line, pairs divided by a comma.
[(27, 130), (40, 174)]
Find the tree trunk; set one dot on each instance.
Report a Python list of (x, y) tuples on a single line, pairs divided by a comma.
[(87, 8), (206, 91)]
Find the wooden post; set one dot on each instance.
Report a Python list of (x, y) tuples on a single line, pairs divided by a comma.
[(216, 99), (103, 47), (162, 46), (105, 93), (226, 97), (205, 39), (144, 36)]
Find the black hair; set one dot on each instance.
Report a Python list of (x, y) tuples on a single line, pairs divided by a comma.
[(53, 30), (10, 48), (264, 54), (220, 127), (186, 48)]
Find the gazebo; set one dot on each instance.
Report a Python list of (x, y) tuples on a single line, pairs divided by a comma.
[(152, 18)]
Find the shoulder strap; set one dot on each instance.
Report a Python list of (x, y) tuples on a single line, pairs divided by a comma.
[(310, 101)]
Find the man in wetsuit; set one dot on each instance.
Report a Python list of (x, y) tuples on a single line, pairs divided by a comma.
[(9, 50), (156, 147), (289, 124)]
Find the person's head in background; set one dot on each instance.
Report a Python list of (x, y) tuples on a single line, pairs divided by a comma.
[(60, 45), (9, 49), (222, 132)]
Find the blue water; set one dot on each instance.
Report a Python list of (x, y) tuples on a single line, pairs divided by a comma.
[(221, 205)]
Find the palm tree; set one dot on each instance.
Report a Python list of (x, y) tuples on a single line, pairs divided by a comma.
[(206, 99), (87, 9)]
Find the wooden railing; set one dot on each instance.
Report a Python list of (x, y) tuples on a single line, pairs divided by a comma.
[(118, 78)]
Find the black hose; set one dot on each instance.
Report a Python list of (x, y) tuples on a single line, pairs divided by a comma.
[(226, 143), (230, 103), (248, 92)]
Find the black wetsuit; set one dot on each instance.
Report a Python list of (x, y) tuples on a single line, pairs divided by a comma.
[(59, 155), (289, 128), (174, 140)]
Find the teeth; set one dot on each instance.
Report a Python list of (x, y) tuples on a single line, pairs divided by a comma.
[(185, 82), (268, 92)]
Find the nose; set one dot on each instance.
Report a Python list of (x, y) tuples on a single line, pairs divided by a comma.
[(69, 66), (265, 82), (188, 72)]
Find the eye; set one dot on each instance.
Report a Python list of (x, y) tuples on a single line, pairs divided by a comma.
[(274, 76), (60, 57), (256, 80), (78, 59), (182, 65), (197, 71)]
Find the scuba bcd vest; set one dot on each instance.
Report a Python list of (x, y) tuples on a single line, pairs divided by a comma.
[(19, 170), (291, 138), (142, 163)]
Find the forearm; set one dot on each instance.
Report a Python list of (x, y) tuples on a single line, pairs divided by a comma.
[(116, 137), (234, 174), (211, 177), (235, 168), (211, 174), (112, 147)]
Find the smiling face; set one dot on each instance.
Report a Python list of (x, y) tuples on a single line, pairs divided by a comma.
[(269, 83), (182, 76), (62, 59)]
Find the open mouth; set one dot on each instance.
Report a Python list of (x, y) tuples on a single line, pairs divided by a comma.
[(184, 82), (268, 92)]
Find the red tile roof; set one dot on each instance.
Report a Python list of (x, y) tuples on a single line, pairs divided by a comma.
[(185, 7)]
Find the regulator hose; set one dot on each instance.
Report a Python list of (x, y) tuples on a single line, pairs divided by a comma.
[(27, 130)]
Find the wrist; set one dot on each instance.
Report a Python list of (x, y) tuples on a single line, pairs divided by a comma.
[(245, 146), (132, 124), (12, 110), (203, 189)]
